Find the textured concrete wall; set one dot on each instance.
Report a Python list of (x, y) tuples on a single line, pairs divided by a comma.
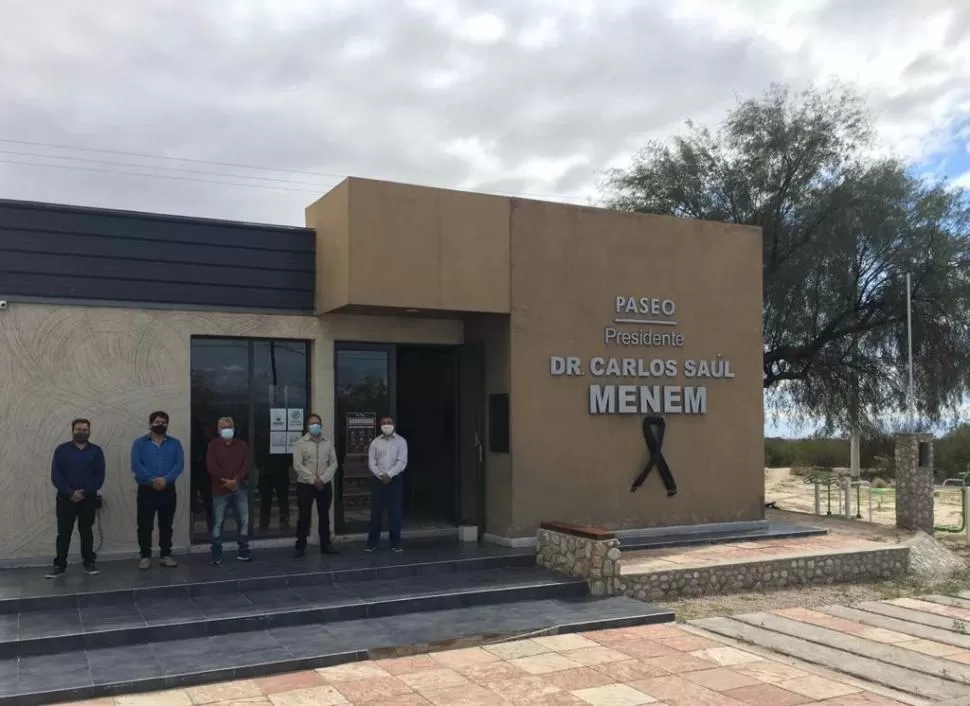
[(914, 483), (114, 366), (596, 560), (821, 570)]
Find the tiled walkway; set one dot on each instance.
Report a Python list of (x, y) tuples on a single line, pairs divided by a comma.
[(715, 554), (643, 665)]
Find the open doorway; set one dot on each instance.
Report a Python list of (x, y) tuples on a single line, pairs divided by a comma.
[(418, 385), (427, 416)]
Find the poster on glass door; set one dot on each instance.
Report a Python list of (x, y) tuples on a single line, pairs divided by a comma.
[(294, 419), (279, 443)]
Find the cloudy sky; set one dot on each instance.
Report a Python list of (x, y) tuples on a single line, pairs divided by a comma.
[(261, 105)]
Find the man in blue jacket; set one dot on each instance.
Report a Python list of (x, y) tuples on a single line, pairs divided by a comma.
[(77, 472), (157, 460)]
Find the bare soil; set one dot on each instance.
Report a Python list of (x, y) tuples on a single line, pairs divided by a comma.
[(791, 492)]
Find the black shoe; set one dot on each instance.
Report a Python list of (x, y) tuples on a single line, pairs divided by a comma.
[(397, 550), (244, 556), (215, 561), (370, 549), (91, 569), (299, 553), (329, 549), (56, 572)]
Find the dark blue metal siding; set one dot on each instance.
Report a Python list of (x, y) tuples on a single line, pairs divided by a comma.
[(67, 252)]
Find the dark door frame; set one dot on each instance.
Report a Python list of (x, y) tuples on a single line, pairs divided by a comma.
[(391, 350), (339, 526), (250, 384)]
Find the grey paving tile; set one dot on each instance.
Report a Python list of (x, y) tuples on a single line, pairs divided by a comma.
[(309, 640), (275, 599), (364, 634), (189, 656), (49, 672), (168, 610), (49, 623), (332, 594), (105, 617), (8, 676), (9, 626), (225, 606), (122, 664)]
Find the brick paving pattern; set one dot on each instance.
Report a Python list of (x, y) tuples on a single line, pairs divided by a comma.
[(658, 665)]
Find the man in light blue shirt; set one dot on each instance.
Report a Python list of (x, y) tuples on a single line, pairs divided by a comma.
[(157, 460)]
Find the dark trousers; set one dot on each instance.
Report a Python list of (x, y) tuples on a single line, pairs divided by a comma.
[(386, 498), (151, 502), (270, 483), (84, 513), (306, 495)]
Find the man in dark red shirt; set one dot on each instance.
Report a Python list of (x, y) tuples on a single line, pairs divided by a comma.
[(227, 463)]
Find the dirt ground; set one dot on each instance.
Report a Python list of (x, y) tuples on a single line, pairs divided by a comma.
[(845, 594), (791, 492)]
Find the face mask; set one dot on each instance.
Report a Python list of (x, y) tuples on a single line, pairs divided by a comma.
[(227, 433), (159, 429), (81, 437), (388, 429), (316, 429)]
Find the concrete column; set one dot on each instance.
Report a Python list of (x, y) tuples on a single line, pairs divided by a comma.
[(914, 482)]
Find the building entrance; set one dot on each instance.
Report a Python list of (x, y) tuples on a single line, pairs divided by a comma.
[(421, 386)]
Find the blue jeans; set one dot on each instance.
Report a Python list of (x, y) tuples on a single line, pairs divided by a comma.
[(238, 500), (386, 498)]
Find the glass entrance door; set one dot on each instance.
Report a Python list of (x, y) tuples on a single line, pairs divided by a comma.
[(364, 388), (264, 385)]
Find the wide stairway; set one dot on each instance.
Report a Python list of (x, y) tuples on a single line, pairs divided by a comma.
[(80, 637)]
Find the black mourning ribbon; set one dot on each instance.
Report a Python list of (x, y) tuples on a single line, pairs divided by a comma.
[(653, 434)]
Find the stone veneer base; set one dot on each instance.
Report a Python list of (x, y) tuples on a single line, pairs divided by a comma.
[(755, 575)]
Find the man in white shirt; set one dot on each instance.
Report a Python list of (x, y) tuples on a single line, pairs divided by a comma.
[(388, 459)]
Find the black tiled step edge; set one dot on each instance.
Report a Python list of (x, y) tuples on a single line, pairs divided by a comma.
[(148, 618), (115, 585), (773, 531), (88, 674)]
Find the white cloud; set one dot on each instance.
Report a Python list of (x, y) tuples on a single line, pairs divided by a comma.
[(524, 96)]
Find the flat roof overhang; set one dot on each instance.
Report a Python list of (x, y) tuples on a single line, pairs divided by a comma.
[(387, 248)]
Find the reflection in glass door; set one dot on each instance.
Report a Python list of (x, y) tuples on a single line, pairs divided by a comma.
[(264, 385), (363, 385)]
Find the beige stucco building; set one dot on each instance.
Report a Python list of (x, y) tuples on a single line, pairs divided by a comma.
[(519, 343)]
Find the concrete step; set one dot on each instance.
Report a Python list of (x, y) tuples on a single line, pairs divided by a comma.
[(917, 630), (887, 653), (155, 665), (109, 620), (913, 615), (26, 588), (901, 679)]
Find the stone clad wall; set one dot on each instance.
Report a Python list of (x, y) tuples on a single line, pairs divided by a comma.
[(759, 575), (597, 561), (914, 484)]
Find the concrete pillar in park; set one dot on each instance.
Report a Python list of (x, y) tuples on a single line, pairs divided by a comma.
[(914, 482)]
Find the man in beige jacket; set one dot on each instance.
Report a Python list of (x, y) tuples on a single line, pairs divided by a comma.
[(315, 463)]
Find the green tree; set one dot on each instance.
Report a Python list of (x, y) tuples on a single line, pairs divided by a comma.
[(841, 230)]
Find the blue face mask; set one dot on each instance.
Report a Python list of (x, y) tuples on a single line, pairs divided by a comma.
[(226, 433), (315, 429)]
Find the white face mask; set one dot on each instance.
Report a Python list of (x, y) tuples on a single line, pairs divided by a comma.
[(388, 429)]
